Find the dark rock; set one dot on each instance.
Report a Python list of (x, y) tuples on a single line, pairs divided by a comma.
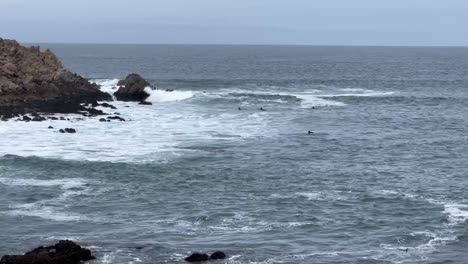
[(115, 118), (197, 257), (35, 81), (38, 119), (64, 252), (108, 106), (145, 103), (218, 255), (70, 130), (26, 118), (50, 127), (53, 118), (62, 131), (169, 90), (62, 118), (102, 120), (132, 88), (94, 112)]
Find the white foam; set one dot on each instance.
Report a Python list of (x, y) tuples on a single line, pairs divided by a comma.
[(63, 183), (107, 85), (158, 96), (45, 212), (457, 213), (50, 209), (368, 94), (315, 101)]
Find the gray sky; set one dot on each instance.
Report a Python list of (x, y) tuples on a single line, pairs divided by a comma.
[(314, 22)]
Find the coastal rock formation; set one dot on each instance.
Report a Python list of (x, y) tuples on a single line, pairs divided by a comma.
[(64, 252), (36, 81), (132, 88)]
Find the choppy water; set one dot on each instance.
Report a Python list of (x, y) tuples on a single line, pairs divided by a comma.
[(382, 179)]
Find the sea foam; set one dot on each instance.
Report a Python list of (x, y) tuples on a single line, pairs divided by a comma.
[(158, 96)]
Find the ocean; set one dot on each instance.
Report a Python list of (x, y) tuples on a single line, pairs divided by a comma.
[(380, 178)]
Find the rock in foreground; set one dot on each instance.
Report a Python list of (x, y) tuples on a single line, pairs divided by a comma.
[(201, 257), (132, 88), (35, 81), (64, 252)]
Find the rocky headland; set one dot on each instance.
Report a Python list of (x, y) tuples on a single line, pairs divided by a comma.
[(33, 81)]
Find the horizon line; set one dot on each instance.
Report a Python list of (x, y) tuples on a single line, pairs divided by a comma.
[(246, 44)]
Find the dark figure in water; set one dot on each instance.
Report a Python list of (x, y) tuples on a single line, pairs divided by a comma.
[(310, 132), (261, 109), (239, 108)]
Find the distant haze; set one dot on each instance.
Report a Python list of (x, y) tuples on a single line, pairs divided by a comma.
[(304, 22)]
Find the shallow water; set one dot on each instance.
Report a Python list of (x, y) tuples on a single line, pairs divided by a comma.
[(381, 179)]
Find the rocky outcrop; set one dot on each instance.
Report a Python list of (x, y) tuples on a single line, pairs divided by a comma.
[(200, 257), (64, 252), (132, 88), (36, 81)]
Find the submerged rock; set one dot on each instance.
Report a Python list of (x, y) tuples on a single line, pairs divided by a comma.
[(145, 103), (36, 81), (132, 88), (115, 118), (64, 252), (67, 130), (197, 257), (218, 255)]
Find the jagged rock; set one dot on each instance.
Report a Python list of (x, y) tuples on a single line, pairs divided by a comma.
[(35, 81), (132, 88), (64, 252), (218, 255), (197, 257)]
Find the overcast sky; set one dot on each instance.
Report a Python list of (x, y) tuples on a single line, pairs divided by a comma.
[(310, 22)]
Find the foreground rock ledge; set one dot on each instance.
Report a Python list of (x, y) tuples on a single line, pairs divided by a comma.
[(36, 81), (64, 252)]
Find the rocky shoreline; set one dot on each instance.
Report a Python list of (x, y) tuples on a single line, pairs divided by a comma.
[(69, 252), (34, 81)]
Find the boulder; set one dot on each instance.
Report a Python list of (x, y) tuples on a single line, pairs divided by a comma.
[(64, 252), (132, 88), (32, 80)]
